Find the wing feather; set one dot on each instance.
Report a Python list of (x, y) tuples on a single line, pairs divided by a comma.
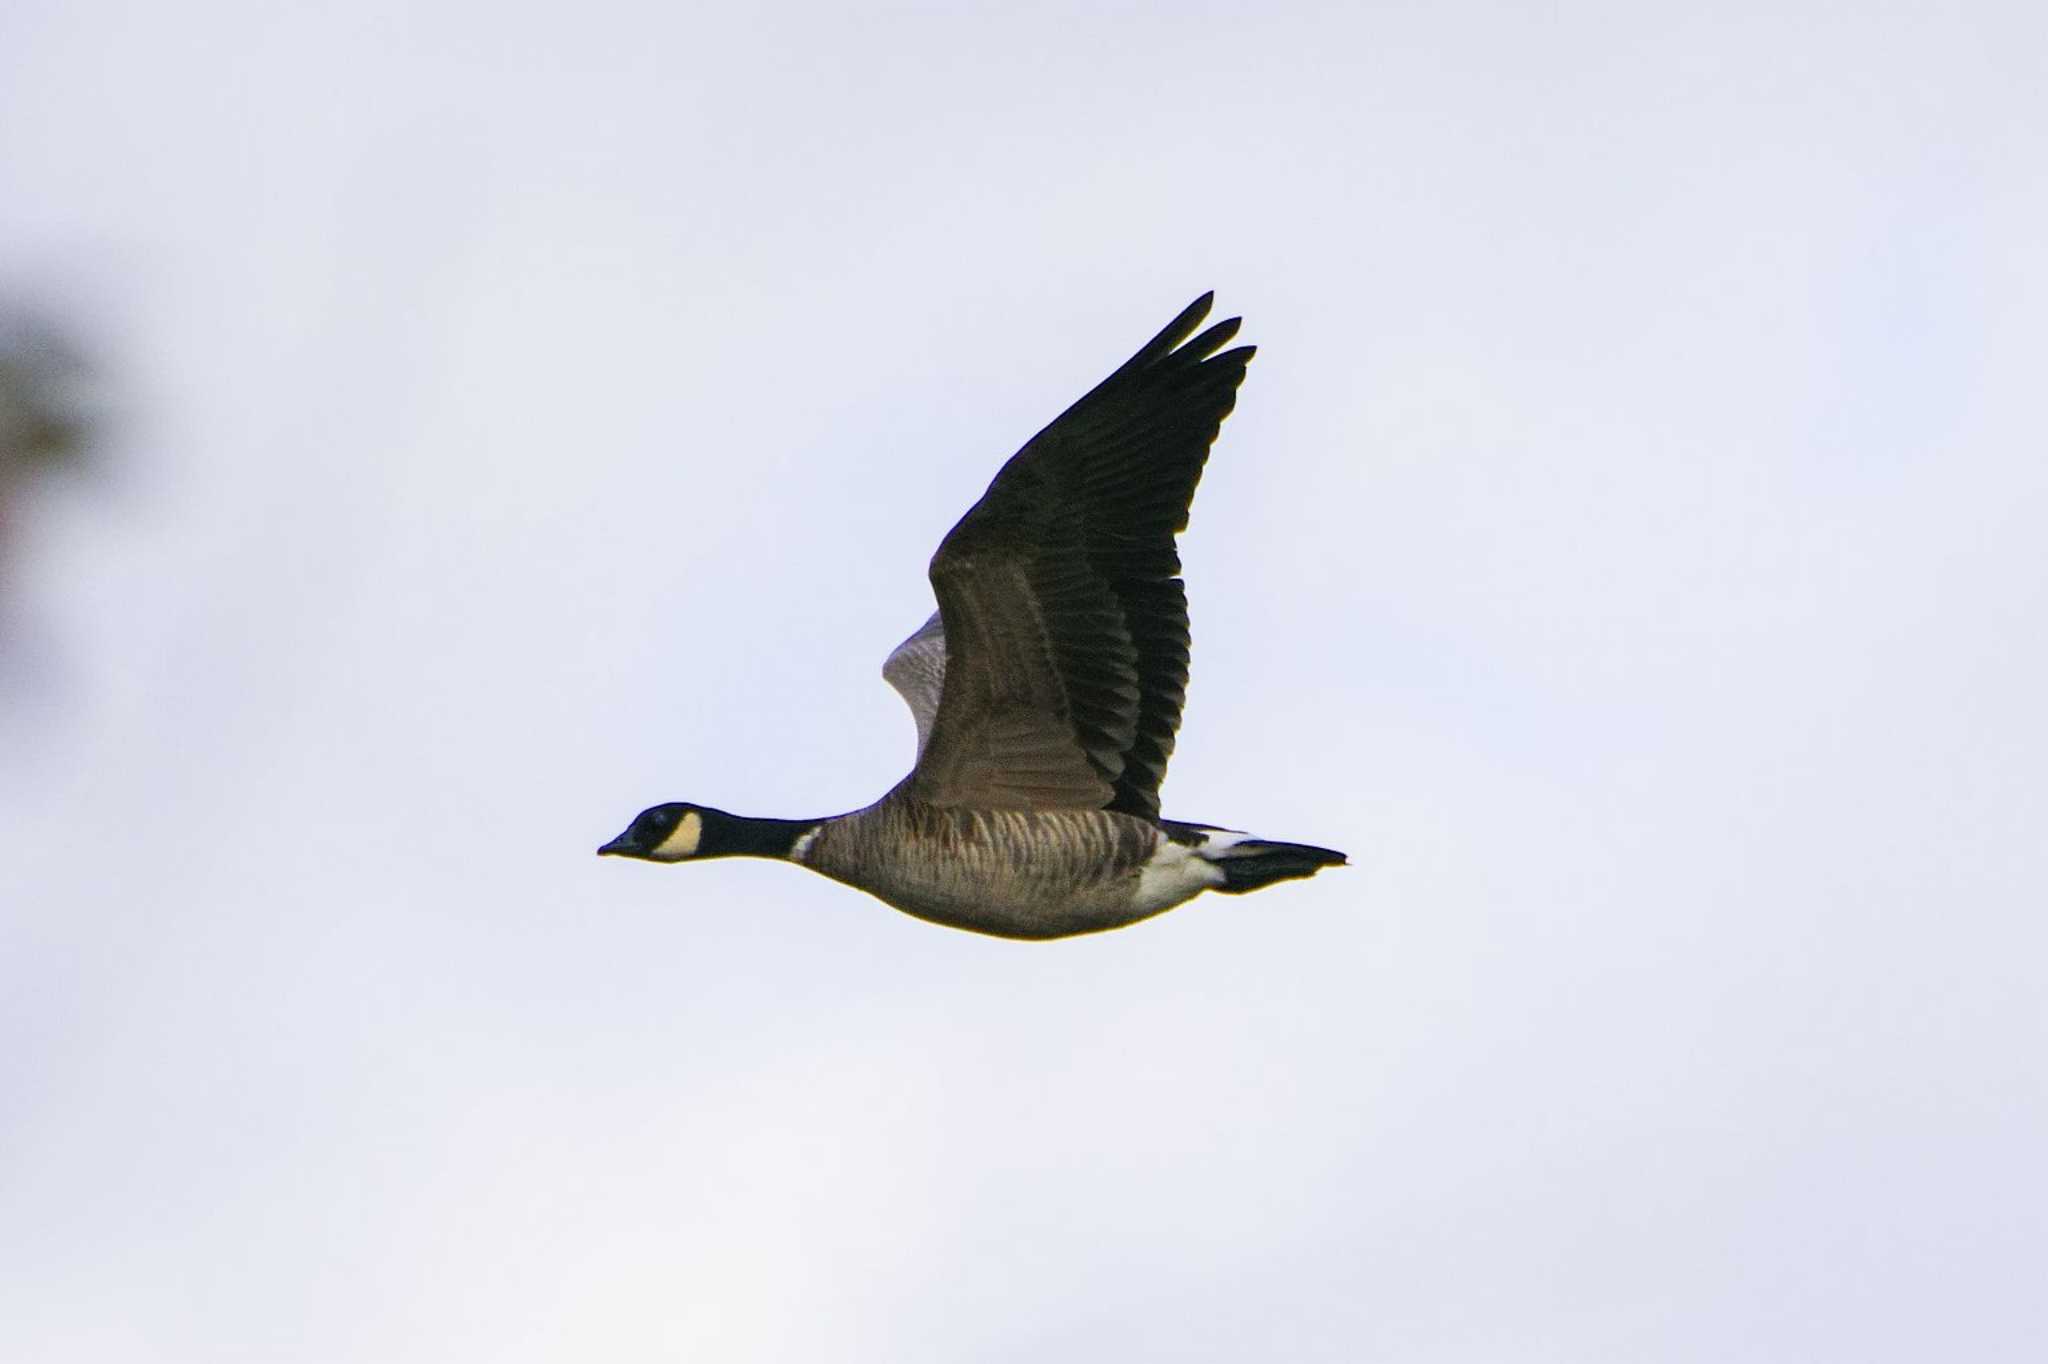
[(916, 668), (1061, 606)]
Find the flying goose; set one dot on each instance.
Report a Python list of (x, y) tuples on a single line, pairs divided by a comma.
[(1046, 688)]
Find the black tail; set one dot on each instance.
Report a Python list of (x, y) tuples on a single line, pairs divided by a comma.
[(1256, 862)]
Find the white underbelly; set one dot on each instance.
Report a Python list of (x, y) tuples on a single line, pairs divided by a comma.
[(1175, 873)]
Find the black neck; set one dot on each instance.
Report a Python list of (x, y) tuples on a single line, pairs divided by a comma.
[(741, 836)]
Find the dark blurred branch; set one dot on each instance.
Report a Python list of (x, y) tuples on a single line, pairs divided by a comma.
[(42, 380), (45, 423)]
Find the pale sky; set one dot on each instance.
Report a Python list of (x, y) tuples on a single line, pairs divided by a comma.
[(1628, 546)]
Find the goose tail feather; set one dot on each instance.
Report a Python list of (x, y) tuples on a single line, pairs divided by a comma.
[(1248, 863)]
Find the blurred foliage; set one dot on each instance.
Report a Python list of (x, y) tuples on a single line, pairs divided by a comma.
[(49, 424), (45, 418)]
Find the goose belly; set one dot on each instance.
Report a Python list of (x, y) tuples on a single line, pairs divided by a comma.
[(1012, 873)]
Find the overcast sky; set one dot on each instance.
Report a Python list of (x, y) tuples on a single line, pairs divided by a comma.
[(1629, 546)]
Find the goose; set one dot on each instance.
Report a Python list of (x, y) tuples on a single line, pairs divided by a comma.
[(1046, 688)]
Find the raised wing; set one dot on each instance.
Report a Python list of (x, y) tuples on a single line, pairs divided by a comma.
[(916, 668), (1063, 613)]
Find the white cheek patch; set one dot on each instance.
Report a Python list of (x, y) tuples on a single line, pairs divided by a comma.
[(682, 840)]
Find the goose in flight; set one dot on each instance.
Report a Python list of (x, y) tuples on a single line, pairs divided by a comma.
[(1047, 687)]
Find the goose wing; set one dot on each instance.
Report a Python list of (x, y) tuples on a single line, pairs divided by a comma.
[(1063, 614), (916, 668)]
